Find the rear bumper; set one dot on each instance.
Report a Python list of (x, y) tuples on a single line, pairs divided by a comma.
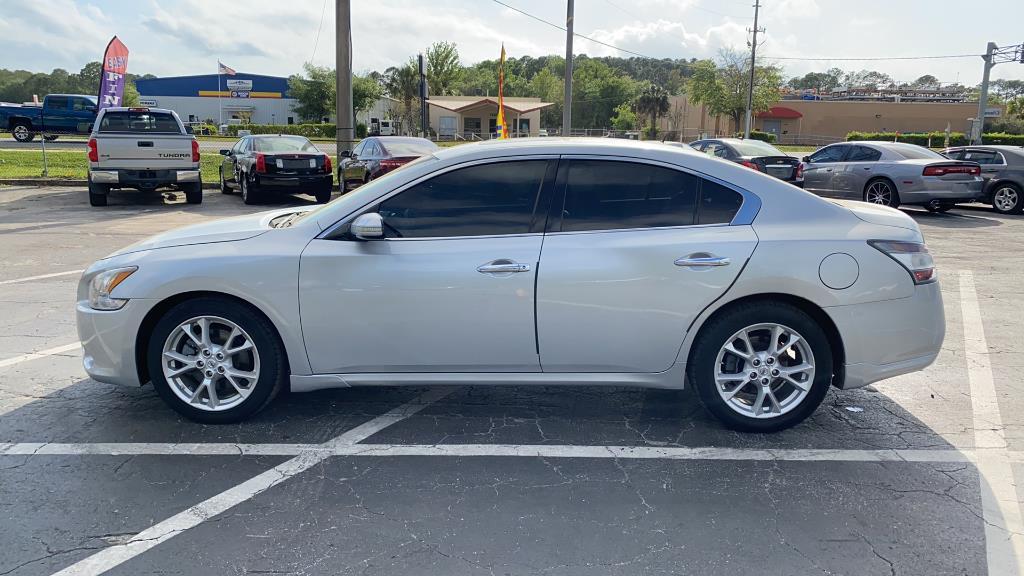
[(926, 189), (144, 178), (294, 183), (891, 337)]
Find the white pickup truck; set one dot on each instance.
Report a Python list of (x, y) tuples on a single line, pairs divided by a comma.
[(144, 149)]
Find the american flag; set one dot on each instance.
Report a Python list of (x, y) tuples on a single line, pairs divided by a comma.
[(222, 69)]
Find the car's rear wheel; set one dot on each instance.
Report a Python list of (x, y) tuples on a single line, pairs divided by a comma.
[(22, 132), (248, 194), (761, 367), (1008, 199), (215, 360), (323, 196), (98, 194), (882, 191)]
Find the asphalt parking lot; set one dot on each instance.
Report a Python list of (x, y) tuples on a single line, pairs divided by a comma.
[(920, 474)]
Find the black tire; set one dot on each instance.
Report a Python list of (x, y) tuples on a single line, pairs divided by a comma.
[(273, 362), (714, 335), (323, 196), (1007, 206), (193, 192), (893, 196), (248, 193), (98, 194), (22, 132), (224, 188)]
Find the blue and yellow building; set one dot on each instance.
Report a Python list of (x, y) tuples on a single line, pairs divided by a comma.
[(251, 98)]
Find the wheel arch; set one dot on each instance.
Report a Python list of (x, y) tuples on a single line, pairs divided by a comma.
[(819, 315), (878, 177), (142, 337)]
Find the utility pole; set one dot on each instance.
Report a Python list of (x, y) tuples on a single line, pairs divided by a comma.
[(753, 62), (424, 111), (993, 55), (567, 106), (345, 127)]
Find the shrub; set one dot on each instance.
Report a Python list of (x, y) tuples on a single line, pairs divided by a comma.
[(307, 130), (360, 130), (758, 135), (934, 139)]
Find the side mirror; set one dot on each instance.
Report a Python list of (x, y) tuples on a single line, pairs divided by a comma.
[(369, 226), (346, 154), (225, 152), (805, 159)]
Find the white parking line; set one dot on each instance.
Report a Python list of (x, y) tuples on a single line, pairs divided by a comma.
[(40, 354), (160, 532), (1004, 528), (40, 277)]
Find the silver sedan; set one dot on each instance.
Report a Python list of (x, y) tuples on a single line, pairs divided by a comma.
[(544, 261), (891, 174)]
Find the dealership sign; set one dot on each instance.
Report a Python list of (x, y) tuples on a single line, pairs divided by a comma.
[(115, 66), (239, 85)]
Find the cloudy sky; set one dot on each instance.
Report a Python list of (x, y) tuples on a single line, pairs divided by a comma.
[(178, 37)]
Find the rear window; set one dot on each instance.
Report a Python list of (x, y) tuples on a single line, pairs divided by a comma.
[(408, 147), (283, 144), (756, 148), (914, 152), (139, 122)]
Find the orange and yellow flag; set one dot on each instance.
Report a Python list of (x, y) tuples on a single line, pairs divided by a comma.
[(501, 128)]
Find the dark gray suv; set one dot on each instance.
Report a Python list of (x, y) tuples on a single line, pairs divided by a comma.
[(1002, 167)]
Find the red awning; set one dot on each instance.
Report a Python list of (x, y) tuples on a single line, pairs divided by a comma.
[(780, 113)]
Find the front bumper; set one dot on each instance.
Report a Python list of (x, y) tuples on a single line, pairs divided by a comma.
[(891, 337), (108, 341), (143, 178)]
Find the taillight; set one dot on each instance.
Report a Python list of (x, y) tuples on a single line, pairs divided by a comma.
[(911, 255), (800, 171), (94, 153), (261, 163), (195, 150), (328, 167), (390, 164), (943, 169), (750, 165)]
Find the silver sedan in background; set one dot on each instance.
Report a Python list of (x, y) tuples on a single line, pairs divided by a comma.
[(892, 174), (530, 261)]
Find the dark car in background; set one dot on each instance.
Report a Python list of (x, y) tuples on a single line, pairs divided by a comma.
[(754, 154), (278, 164), (1002, 167), (378, 155)]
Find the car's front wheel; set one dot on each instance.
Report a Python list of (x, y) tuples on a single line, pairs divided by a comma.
[(761, 366), (1008, 199), (215, 360)]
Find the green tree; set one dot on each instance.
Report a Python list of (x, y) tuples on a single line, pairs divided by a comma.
[(723, 87), (365, 92), (549, 88), (443, 68), (652, 102), (823, 82), (926, 81), (131, 94), (315, 92), (597, 91), (870, 79), (402, 84), (625, 118)]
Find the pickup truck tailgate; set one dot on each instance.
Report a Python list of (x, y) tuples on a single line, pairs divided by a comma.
[(149, 151)]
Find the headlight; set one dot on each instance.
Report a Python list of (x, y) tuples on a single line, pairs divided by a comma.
[(103, 284), (912, 256)]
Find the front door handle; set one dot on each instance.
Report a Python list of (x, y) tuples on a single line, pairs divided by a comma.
[(503, 267), (703, 261)]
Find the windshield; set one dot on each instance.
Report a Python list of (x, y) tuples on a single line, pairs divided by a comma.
[(283, 144), (408, 147), (756, 148), (915, 152)]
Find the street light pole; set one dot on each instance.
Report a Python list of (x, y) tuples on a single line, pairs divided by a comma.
[(344, 129), (979, 123), (753, 61), (567, 106)]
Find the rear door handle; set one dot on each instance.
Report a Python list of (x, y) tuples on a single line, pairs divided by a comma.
[(503, 267), (703, 261)]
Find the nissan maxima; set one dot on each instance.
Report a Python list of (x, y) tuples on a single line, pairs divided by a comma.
[(533, 261)]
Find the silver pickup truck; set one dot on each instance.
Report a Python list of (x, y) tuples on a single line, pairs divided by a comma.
[(144, 149)]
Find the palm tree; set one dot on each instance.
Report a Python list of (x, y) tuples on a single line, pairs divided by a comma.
[(652, 102)]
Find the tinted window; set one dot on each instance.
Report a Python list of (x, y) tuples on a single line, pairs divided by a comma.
[(408, 147), (603, 195), (829, 154), (718, 204), (483, 200), (756, 148), (359, 148), (913, 151), (283, 144), (139, 122), (863, 154), (82, 104), (57, 102), (982, 157)]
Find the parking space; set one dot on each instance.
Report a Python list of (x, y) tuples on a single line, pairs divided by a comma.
[(919, 474)]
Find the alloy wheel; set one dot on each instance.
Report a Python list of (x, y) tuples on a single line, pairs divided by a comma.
[(879, 193), (210, 363), (764, 370), (1005, 199), (20, 132)]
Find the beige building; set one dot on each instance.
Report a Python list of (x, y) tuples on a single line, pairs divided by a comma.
[(815, 122), (475, 117)]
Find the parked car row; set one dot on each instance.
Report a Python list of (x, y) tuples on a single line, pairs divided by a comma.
[(889, 173)]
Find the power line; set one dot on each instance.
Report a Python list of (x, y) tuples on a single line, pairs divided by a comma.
[(316, 42), (876, 58), (562, 28)]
